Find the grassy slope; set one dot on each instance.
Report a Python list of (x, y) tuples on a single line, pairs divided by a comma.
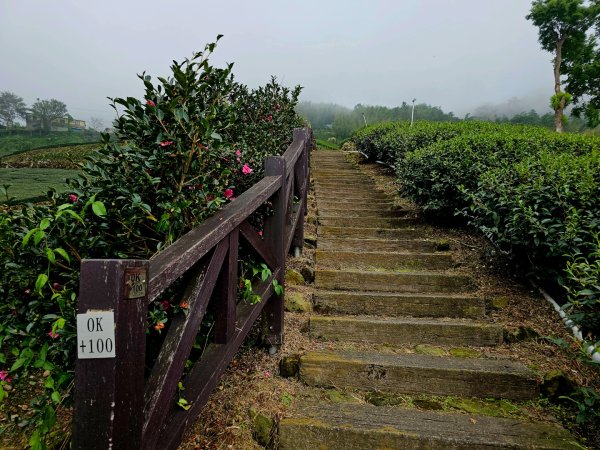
[(13, 143), (28, 184), (66, 157)]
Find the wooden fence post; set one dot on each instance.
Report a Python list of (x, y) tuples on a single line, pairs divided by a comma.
[(275, 234), (109, 392), (301, 173)]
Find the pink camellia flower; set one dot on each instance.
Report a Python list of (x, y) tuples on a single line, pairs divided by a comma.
[(267, 374), (269, 118), (238, 153), (73, 198), (165, 143), (4, 376), (228, 193), (52, 334), (260, 233), (165, 305), (150, 103), (246, 169)]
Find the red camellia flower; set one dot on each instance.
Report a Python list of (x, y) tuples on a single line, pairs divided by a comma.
[(56, 286), (150, 103), (269, 118), (260, 233), (73, 198), (165, 143), (165, 305), (228, 193), (4, 376), (246, 169)]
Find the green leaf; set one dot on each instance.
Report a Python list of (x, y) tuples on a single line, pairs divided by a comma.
[(63, 254), (49, 383), (39, 235), (56, 397), (50, 255), (18, 363), (43, 352), (28, 236), (42, 279), (216, 136), (35, 442), (44, 224), (75, 215), (99, 208)]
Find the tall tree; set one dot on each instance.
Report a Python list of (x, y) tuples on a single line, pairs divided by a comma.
[(47, 111), (583, 80), (11, 107), (562, 25)]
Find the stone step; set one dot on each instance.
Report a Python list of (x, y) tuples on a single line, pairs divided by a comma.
[(367, 222), (353, 426), (392, 304), (343, 202), (420, 374), (402, 331), (360, 212), (358, 193), (357, 233), (383, 260), (381, 245), (399, 282)]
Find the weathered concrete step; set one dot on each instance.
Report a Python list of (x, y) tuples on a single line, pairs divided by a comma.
[(390, 304), (367, 222), (360, 212), (342, 202), (352, 426), (367, 232), (356, 192), (402, 331), (383, 260), (417, 374), (381, 245), (399, 282)]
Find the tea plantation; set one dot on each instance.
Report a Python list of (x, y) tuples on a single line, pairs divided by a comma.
[(532, 192)]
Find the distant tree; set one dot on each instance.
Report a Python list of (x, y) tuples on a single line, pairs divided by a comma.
[(96, 123), (46, 111), (11, 107), (562, 27)]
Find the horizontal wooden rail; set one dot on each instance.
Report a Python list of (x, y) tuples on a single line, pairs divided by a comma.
[(129, 399)]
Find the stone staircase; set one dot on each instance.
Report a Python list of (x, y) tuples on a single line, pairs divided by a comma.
[(379, 282)]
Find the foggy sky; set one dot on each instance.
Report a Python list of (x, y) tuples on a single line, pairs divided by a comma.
[(457, 54)]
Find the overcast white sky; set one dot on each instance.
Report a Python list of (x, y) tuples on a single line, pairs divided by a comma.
[(457, 54)]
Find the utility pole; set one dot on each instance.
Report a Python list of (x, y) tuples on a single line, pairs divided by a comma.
[(412, 114), (365, 119)]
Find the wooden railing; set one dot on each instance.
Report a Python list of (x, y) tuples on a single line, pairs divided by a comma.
[(117, 404)]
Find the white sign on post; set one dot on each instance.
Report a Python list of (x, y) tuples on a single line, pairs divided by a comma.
[(96, 335)]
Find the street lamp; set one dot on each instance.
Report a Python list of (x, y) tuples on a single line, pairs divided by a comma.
[(412, 114)]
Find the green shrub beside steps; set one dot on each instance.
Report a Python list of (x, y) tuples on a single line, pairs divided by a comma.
[(534, 193)]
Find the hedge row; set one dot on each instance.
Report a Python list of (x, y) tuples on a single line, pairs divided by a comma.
[(195, 142), (532, 192)]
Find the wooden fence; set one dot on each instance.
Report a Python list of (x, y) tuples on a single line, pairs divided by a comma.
[(117, 404)]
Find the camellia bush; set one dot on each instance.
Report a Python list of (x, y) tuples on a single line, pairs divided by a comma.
[(532, 192), (194, 143)]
